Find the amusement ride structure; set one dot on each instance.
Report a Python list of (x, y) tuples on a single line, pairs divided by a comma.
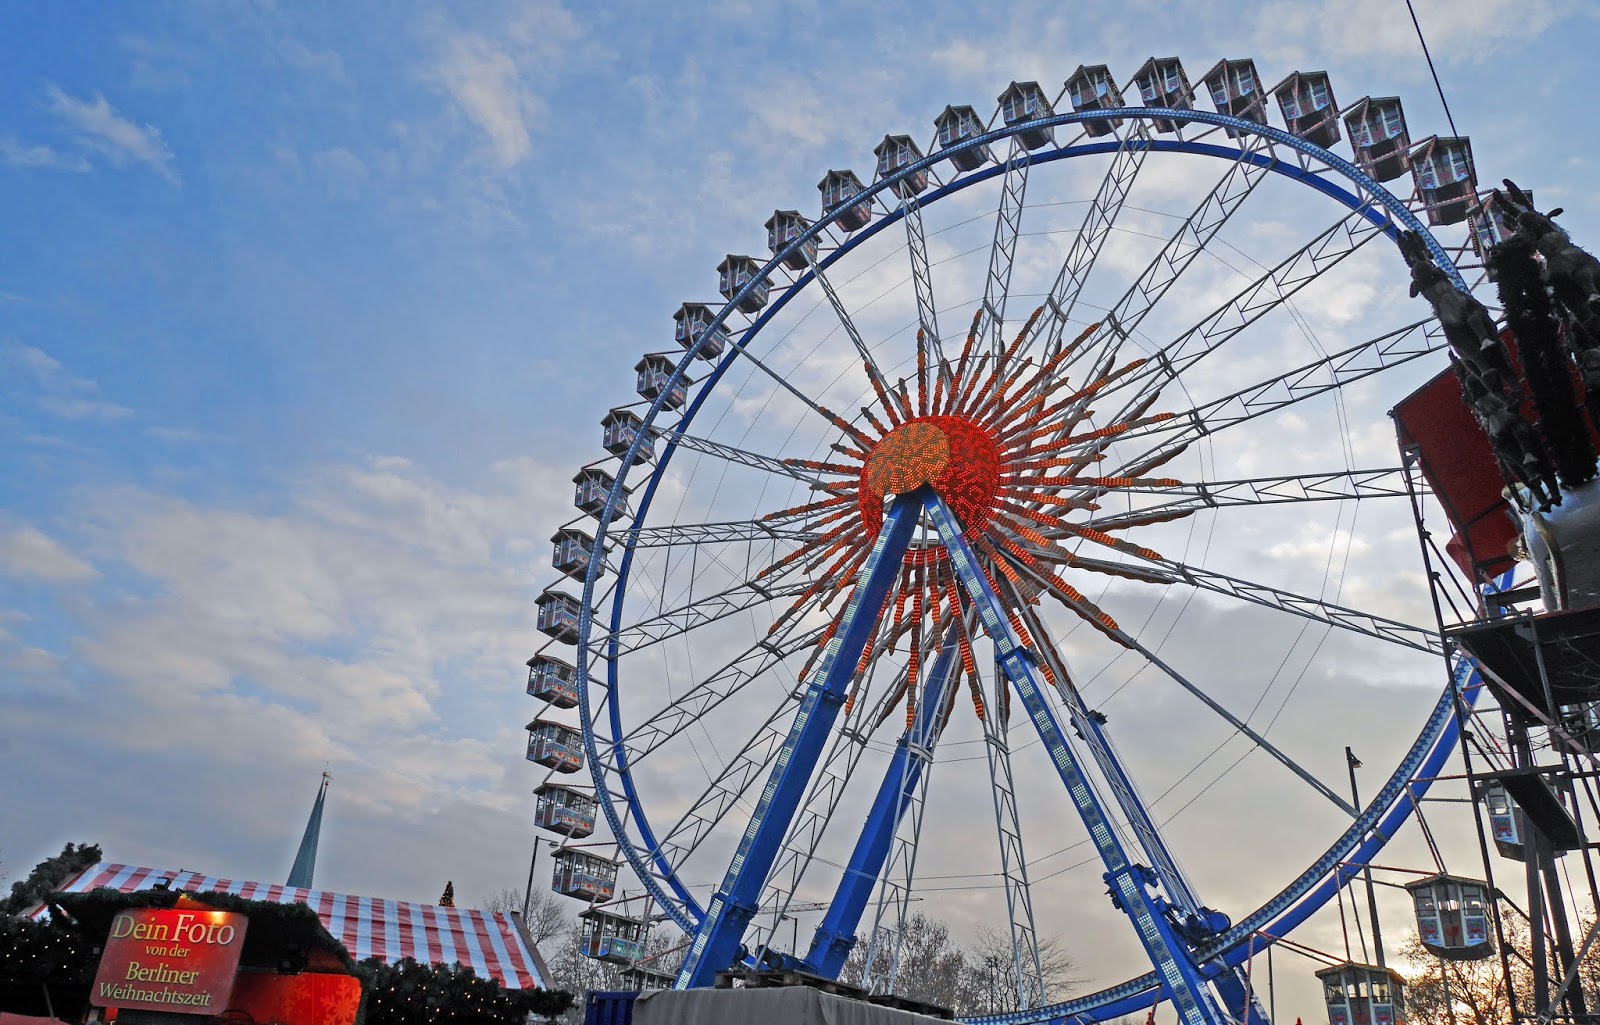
[(886, 509)]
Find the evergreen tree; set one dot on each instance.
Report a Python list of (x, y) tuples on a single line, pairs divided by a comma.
[(48, 876)]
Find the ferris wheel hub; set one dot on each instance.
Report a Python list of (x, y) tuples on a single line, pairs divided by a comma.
[(956, 456), (908, 457)]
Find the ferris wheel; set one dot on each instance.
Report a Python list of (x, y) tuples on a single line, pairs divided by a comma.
[(1066, 427)]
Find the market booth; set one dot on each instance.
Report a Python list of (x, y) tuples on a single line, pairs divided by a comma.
[(169, 957), (208, 946)]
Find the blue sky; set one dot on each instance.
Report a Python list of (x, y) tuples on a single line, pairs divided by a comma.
[(309, 312)]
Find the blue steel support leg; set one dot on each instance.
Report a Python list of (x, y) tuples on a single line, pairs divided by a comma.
[(1129, 882), (716, 943), (1230, 984), (837, 933)]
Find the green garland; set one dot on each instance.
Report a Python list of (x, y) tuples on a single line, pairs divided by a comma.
[(47, 876), (411, 993)]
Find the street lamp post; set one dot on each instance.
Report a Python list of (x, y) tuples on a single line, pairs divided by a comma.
[(527, 899), (1353, 763)]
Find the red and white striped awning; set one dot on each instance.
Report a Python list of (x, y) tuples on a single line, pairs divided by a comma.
[(491, 943)]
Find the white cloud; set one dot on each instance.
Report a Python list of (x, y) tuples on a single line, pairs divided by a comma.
[(791, 111), (24, 664), (65, 395), (103, 130), (44, 368), (1456, 30), (15, 153), (305, 58), (483, 80), (354, 624), (26, 551), (342, 171), (83, 409)]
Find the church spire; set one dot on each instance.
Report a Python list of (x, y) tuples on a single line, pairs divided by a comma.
[(305, 859)]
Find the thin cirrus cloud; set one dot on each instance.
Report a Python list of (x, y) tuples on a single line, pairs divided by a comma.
[(28, 552), (99, 128), (62, 394), (483, 80), (16, 153)]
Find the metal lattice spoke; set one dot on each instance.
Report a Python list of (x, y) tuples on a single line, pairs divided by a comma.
[(1338, 370), (1181, 249), (1003, 251), (1314, 609), (1262, 296), (899, 871), (1091, 237), (749, 665), (748, 765), (1013, 859), (922, 277), (733, 454), (1183, 499), (724, 532), (694, 613)]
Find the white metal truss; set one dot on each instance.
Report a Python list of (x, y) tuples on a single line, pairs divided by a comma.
[(921, 277), (1003, 250), (1336, 486), (1013, 860), (1335, 371), (1268, 292), (1191, 238), (724, 532), (747, 766), (882, 963), (749, 665), (674, 622), (1092, 235), (733, 454), (1314, 609)]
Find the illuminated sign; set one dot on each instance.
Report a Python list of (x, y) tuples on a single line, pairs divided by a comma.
[(179, 960)]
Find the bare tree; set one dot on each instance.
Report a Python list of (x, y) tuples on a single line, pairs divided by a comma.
[(930, 967), (989, 983), (980, 979), (549, 917), (573, 971), (1475, 990)]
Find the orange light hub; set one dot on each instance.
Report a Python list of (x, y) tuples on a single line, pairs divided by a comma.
[(958, 458)]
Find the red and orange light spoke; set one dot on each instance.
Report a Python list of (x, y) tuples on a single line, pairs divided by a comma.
[(1003, 442)]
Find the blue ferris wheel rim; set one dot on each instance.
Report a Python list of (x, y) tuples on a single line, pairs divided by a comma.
[(1303, 896)]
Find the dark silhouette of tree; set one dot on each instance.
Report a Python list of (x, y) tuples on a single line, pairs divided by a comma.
[(48, 876), (410, 993), (1477, 990), (978, 979), (548, 916), (931, 963), (990, 982)]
